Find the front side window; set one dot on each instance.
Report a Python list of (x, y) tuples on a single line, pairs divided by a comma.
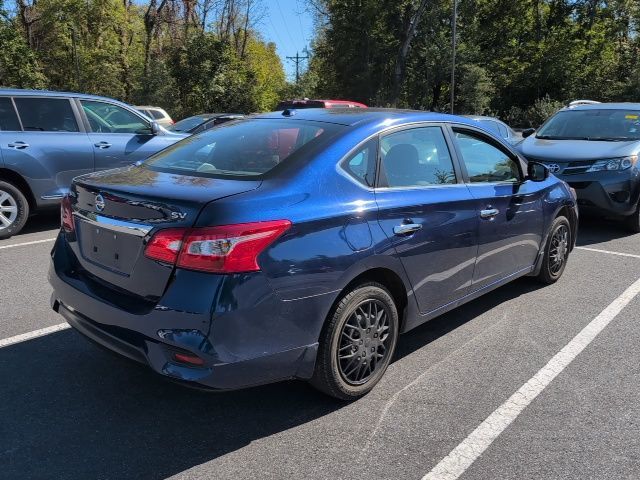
[(250, 148), (8, 118), (484, 162), (107, 118), (416, 157), (362, 163), (46, 114)]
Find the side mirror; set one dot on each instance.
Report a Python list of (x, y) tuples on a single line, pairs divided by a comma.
[(527, 132), (155, 128), (537, 172)]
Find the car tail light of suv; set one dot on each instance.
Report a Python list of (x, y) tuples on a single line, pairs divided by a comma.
[(221, 249)]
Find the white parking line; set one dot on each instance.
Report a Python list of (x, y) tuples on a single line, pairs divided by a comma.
[(608, 251), (27, 243), (5, 342), (461, 457)]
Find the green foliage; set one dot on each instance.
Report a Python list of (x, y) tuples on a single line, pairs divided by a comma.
[(157, 53), (520, 59), (18, 63)]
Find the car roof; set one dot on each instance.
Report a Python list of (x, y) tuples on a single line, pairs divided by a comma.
[(148, 106), (605, 106), (17, 92), (353, 116)]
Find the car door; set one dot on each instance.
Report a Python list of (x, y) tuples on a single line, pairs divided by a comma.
[(427, 213), (47, 145), (508, 206), (119, 136)]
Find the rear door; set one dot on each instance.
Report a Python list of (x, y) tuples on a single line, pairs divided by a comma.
[(47, 145), (508, 207), (428, 213), (119, 137)]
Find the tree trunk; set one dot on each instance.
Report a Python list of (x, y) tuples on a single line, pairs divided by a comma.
[(399, 72)]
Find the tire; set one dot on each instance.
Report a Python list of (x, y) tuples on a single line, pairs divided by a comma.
[(633, 221), (556, 251), (366, 351), (14, 210)]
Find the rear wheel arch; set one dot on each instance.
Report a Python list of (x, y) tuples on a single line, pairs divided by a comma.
[(21, 184), (383, 276)]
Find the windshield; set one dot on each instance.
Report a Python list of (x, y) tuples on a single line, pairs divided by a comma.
[(249, 148), (187, 124), (605, 124)]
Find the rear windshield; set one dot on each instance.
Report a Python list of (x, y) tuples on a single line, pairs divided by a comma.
[(605, 124), (248, 148)]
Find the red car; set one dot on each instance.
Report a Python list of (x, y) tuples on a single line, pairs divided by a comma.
[(306, 103)]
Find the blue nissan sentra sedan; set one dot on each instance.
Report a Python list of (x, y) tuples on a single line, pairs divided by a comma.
[(299, 244)]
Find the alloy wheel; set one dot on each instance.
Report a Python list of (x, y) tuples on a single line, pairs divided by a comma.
[(8, 209), (364, 342), (559, 249)]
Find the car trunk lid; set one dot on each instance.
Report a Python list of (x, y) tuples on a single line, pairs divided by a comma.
[(117, 211)]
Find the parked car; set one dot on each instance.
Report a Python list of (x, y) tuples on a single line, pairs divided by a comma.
[(306, 103), (47, 138), (498, 127), (202, 122), (157, 114), (594, 147), (233, 259)]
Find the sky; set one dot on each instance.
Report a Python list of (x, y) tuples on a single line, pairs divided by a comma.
[(289, 25)]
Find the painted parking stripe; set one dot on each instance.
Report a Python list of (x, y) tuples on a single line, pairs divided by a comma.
[(609, 252), (27, 243), (461, 457), (5, 342)]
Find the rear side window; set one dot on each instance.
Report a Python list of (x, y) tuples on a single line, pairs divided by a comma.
[(250, 148), (8, 118), (156, 114), (361, 164), (46, 114), (416, 157), (484, 162)]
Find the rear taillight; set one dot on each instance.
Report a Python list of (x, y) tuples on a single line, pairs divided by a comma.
[(223, 249), (66, 215)]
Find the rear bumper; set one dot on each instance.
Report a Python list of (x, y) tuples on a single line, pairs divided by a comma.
[(608, 193), (236, 346)]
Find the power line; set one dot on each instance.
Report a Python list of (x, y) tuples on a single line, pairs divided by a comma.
[(299, 15), (284, 22)]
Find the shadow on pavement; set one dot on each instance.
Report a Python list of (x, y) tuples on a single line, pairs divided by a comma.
[(70, 410), (47, 220), (599, 230)]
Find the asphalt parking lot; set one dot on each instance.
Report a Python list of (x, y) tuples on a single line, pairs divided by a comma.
[(71, 410)]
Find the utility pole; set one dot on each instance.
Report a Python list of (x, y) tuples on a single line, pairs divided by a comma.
[(453, 52), (297, 59)]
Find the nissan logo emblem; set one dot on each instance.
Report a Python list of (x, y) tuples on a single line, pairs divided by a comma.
[(553, 167), (99, 203)]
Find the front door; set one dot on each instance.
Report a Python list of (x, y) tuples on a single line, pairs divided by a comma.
[(509, 208), (119, 136), (428, 214)]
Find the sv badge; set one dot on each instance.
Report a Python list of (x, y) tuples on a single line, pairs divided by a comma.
[(178, 215)]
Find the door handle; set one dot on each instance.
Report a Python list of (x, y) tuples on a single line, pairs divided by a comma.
[(18, 145), (489, 212), (406, 228), (102, 145)]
